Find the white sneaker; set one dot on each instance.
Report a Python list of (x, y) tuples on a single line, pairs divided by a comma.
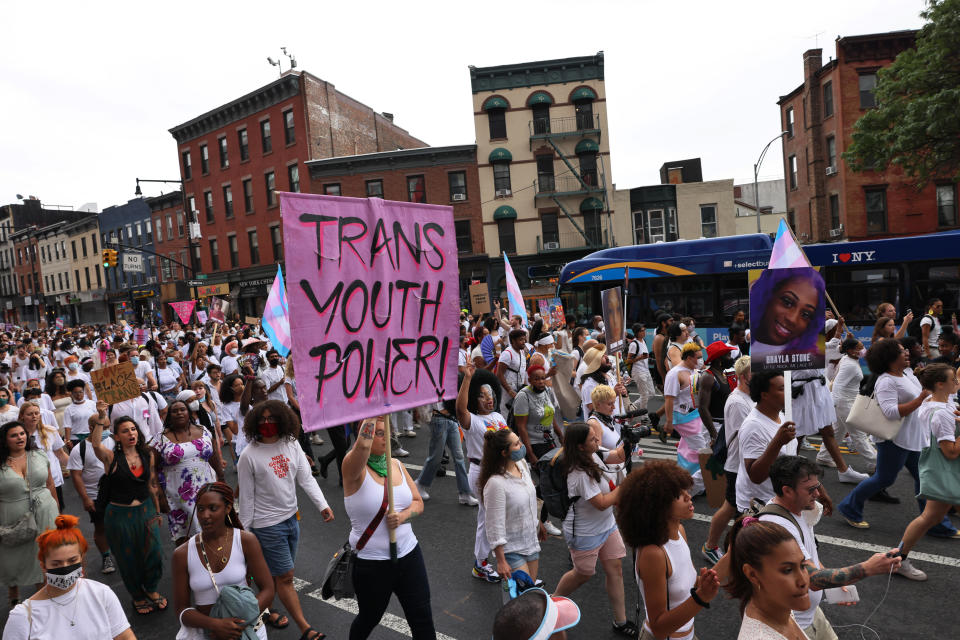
[(826, 460), (316, 439), (469, 500), (910, 572), (552, 528), (399, 452), (852, 476), (423, 492)]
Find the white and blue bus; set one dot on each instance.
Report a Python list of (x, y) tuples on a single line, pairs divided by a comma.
[(707, 279)]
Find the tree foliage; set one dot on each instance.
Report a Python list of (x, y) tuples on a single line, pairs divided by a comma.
[(916, 124)]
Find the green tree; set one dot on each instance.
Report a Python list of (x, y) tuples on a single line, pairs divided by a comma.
[(916, 124)]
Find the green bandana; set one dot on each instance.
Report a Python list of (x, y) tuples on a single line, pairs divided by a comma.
[(378, 464)]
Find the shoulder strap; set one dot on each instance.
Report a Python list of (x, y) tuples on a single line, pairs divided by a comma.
[(772, 508), (83, 452), (362, 542)]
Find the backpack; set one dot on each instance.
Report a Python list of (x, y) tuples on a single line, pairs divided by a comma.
[(553, 484), (772, 508), (914, 329)]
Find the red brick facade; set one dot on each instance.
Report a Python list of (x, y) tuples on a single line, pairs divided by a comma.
[(908, 211)]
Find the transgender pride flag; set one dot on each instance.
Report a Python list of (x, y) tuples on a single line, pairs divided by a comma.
[(514, 297), (786, 253), (276, 321)]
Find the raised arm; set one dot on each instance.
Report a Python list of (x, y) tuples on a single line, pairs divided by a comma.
[(97, 423), (463, 414), (355, 462)]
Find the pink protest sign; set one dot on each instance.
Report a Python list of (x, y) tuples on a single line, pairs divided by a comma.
[(202, 317), (184, 309), (373, 291)]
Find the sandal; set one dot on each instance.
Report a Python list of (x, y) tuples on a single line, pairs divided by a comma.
[(160, 603), (316, 634), (627, 629), (143, 607), (275, 621)]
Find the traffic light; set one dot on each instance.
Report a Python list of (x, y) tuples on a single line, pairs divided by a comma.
[(109, 258)]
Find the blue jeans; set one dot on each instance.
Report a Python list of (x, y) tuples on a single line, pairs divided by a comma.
[(444, 432), (891, 458)]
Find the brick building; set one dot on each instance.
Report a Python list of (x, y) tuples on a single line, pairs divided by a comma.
[(135, 295), (26, 271), (234, 158), (826, 200), (434, 175)]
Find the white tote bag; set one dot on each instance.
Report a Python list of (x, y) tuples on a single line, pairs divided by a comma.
[(867, 416)]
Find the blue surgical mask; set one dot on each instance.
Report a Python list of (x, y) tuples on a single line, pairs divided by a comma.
[(170, 360), (519, 454), (135, 359)]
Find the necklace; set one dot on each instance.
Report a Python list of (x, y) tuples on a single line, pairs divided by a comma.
[(76, 596), (223, 556)]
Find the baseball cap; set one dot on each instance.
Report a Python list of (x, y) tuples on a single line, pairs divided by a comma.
[(717, 349), (560, 614)]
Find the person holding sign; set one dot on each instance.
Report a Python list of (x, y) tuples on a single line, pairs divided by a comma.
[(789, 305), (375, 576)]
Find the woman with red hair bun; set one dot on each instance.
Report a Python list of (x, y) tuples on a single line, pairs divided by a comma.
[(67, 605)]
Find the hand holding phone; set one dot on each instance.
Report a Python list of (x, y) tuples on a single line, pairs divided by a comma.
[(842, 595)]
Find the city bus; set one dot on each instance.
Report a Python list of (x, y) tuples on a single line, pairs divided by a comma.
[(706, 279)]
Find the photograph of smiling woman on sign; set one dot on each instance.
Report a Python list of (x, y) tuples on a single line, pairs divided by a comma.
[(789, 305)]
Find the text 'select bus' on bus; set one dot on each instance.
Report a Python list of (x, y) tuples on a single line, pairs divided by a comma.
[(707, 279)]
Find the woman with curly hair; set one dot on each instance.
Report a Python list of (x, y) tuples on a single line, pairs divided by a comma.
[(510, 499), (654, 502), (590, 528), (270, 468), (768, 577)]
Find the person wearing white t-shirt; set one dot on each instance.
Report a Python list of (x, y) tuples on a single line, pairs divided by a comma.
[(930, 329), (764, 435), (797, 489), (77, 413), (638, 359), (85, 470), (475, 424), (274, 377), (512, 369)]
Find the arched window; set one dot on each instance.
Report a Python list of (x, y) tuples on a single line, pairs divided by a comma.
[(587, 151), (500, 159), (591, 208), (505, 216), (496, 108), (582, 100), (540, 103)]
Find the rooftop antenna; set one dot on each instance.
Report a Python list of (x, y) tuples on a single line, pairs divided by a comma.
[(277, 63)]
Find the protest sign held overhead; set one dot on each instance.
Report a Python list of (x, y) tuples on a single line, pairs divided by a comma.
[(184, 309), (479, 298), (218, 309), (612, 301), (374, 305), (115, 384), (202, 317), (787, 308)]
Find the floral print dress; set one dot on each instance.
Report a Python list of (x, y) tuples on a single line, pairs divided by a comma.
[(184, 468)]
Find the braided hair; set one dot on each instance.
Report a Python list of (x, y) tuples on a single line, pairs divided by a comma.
[(225, 492)]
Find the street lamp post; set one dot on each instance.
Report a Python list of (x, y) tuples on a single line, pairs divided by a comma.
[(756, 169)]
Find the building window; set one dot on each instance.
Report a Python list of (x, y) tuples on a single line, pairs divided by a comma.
[(254, 247), (497, 118), (86, 272), (584, 111), (416, 189), (289, 136), (187, 166), (827, 99), (179, 224), (331, 189), (208, 206), (293, 178), (93, 238), (159, 229), (270, 181), (83, 246), (458, 185), (656, 225), (234, 254), (638, 227), (545, 181), (374, 188), (793, 172), (276, 239), (224, 160), (76, 278), (228, 202), (868, 84), (244, 144), (214, 255), (96, 268), (790, 122), (265, 142), (501, 178), (876, 205), (708, 220), (204, 159), (549, 229), (195, 262), (170, 226), (832, 153), (947, 205), (73, 246), (247, 195), (834, 211), (541, 118), (591, 227), (505, 231), (464, 237), (588, 168)]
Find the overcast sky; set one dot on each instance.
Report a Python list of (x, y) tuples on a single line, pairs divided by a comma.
[(89, 90)]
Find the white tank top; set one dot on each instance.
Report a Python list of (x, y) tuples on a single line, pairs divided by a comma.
[(681, 580), (234, 573), (363, 505)]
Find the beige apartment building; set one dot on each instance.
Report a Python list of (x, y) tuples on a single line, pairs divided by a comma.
[(72, 273), (543, 152)]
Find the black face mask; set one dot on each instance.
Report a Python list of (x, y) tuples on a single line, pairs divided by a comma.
[(274, 362), (604, 368)]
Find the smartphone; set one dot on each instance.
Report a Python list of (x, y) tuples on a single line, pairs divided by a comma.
[(837, 595)]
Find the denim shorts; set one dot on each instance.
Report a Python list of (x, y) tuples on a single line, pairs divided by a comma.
[(515, 559), (279, 544)]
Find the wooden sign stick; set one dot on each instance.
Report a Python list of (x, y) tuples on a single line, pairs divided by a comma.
[(389, 481)]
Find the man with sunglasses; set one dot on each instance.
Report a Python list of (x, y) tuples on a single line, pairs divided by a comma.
[(796, 483)]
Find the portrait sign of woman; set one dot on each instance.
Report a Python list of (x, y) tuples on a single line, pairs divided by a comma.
[(613, 318), (787, 309)]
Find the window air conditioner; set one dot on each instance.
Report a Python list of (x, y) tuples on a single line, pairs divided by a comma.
[(503, 193), (831, 171), (836, 233), (459, 197), (551, 245)]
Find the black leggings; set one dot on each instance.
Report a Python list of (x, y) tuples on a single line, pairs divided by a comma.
[(338, 439), (376, 580)]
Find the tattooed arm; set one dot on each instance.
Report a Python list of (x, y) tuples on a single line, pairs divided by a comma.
[(355, 462), (877, 564)]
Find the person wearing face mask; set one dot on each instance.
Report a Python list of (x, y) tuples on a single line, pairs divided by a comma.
[(206, 419), (143, 410), (143, 367), (274, 377), (74, 372), (8, 409), (168, 378), (186, 460), (75, 416), (91, 613), (598, 370), (228, 363), (47, 439), (269, 471)]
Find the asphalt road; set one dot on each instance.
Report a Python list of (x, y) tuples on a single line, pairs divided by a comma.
[(463, 607)]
